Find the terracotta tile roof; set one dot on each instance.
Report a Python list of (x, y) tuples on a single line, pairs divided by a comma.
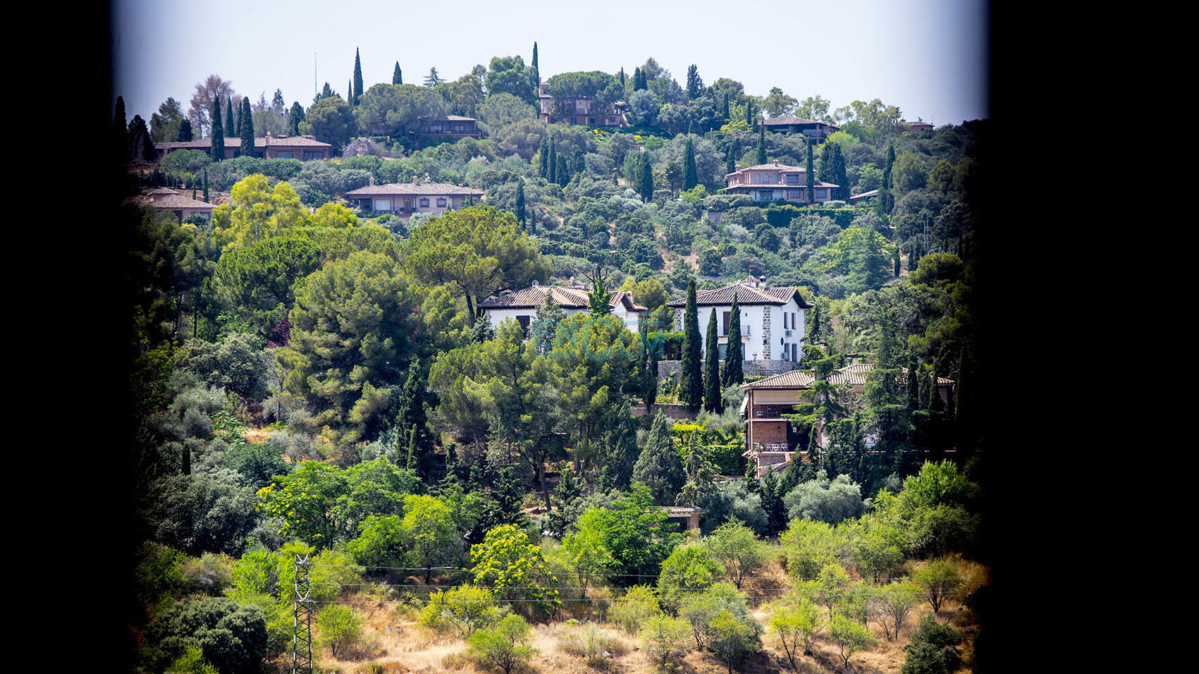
[(176, 202), (273, 141), (778, 186), (854, 375), (865, 195), (788, 120), (792, 379), (746, 296), (567, 298), (422, 189), (782, 168)]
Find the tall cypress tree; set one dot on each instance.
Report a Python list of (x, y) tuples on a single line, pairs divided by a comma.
[(247, 129), (913, 382), (749, 114), (520, 203), (730, 161), (645, 185), (397, 75), (691, 385), (724, 109), (185, 131), (412, 423), (543, 156), (218, 134), (561, 171), (659, 466), (357, 76), (230, 124), (296, 116), (532, 222), (690, 172), (809, 176), (712, 401), (206, 185), (622, 78), (733, 356), (535, 66), (552, 170), (762, 144), (649, 374), (639, 83)]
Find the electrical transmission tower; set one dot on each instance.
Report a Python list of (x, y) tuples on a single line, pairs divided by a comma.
[(301, 653)]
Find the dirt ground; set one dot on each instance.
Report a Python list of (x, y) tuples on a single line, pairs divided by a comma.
[(392, 642)]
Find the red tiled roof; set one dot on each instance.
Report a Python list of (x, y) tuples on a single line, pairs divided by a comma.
[(422, 189), (567, 298), (746, 296), (176, 202), (854, 375), (789, 120)]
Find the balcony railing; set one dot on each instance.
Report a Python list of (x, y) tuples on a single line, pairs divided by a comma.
[(724, 330)]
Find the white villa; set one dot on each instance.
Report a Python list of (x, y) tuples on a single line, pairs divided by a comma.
[(523, 304), (772, 321)]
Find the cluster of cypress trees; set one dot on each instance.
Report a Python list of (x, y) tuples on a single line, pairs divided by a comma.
[(832, 169), (639, 81)]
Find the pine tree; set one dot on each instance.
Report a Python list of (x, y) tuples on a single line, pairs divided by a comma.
[(645, 186), (357, 76), (690, 171), (762, 144), (810, 176), (230, 124), (733, 357), (185, 131), (691, 380), (520, 203), (218, 135), (397, 75), (712, 402), (659, 467), (701, 474), (545, 323), (247, 129)]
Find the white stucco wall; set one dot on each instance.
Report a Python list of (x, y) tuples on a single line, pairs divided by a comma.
[(754, 317), (496, 316)]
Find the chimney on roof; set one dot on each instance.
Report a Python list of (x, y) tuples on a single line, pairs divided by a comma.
[(736, 167), (414, 180), (762, 281), (776, 162)]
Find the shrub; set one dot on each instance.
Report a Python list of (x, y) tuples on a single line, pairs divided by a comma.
[(665, 639), (733, 637), (850, 636), (463, 608), (795, 621), (933, 649), (700, 609), (637, 605), (232, 638), (503, 647), (826, 500), (594, 644), (339, 627), (688, 569), (892, 604)]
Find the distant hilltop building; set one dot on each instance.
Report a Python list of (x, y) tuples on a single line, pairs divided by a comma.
[(777, 182), (581, 110), (305, 148), (523, 304), (404, 199), (799, 126)]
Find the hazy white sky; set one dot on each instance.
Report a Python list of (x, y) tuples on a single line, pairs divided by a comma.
[(926, 56)]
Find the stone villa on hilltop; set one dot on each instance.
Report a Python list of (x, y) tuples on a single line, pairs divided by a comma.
[(772, 322), (777, 182), (799, 126), (404, 199), (523, 304), (304, 148)]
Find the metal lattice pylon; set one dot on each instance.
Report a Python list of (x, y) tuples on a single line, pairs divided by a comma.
[(301, 653)]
